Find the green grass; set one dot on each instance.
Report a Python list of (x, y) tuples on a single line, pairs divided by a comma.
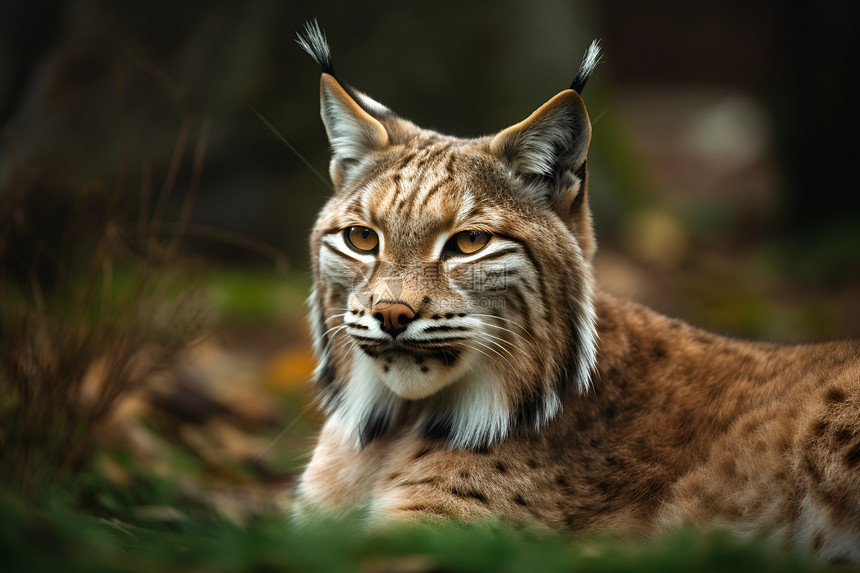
[(99, 529)]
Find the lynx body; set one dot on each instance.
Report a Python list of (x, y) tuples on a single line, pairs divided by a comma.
[(470, 367)]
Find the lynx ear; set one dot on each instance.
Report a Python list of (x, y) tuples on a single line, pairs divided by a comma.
[(346, 113), (548, 148), (352, 131), (550, 142)]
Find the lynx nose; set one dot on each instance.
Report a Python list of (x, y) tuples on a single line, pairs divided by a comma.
[(393, 316)]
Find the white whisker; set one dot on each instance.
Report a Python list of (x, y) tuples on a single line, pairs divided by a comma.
[(335, 329), (498, 345), (514, 322), (335, 316), (500, 355), (530, 341)]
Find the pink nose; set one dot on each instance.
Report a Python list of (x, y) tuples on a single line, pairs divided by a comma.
[(393, 316)]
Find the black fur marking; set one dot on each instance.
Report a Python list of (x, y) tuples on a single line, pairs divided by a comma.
[(337, 252), (469, 493), (423, 481), (447, 357), (375, 425), (515, 295), (531, 408), (438, 428), (852, 457), (449, 166), (835, 395), (817, 541), (538, 267), (427, 142), (326, 375), (445, 329), (313, 41), (843, 436), (369, 350), (397, 190), (422, 452), (819, 428), (586, 68), (499, 254), (433, 190)]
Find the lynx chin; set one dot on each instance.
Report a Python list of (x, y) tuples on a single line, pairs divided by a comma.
[(470, 367)]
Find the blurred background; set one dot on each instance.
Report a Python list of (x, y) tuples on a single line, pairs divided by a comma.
[(153, 228)]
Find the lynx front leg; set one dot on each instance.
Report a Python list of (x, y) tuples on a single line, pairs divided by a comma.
[(428, 499), (425, 481), (338, 479)]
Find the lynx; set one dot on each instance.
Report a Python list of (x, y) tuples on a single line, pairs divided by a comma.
[(470, 367)]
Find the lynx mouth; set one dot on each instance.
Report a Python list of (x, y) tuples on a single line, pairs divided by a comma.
[(416, 354), (411, 355)]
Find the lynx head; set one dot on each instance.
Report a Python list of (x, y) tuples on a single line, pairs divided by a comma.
[(452, 277)]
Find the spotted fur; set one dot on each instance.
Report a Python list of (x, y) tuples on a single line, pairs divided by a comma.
[(508, 385)]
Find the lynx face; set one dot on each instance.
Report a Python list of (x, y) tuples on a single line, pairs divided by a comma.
[(432, 303)]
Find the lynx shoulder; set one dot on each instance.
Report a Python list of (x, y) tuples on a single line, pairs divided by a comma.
[(470, 367)]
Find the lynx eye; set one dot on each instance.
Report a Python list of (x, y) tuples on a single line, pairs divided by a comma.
[(467, 242), (361, 239)]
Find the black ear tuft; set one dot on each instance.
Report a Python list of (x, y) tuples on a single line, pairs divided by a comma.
[(313, 41), (586, 68)]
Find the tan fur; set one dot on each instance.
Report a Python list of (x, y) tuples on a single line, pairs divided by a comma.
[(535, 410)]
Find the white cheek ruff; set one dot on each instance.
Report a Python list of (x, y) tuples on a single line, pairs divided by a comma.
[(317, 327), (364, 399), (476, 409), (586, 329)]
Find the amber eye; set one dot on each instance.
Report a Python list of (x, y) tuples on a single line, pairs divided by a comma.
[(467, 242), (361, 239)]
